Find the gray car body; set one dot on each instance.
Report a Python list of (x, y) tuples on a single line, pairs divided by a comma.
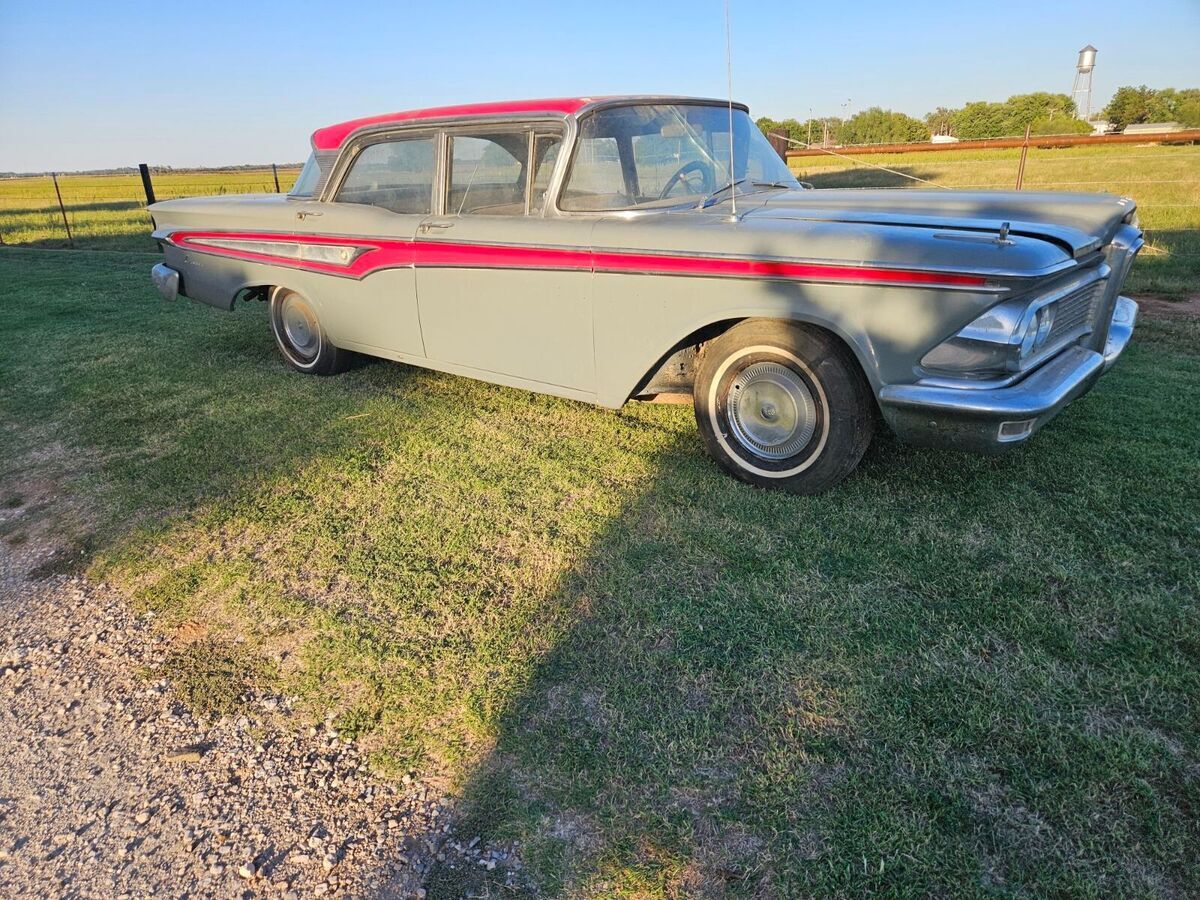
[(600, 336)]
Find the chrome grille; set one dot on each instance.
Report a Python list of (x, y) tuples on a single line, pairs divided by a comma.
[(1075, 314)]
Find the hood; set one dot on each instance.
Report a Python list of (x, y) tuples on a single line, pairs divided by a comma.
[(1080, 223)]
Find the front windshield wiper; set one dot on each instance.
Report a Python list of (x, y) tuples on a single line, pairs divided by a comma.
[(711, 199)]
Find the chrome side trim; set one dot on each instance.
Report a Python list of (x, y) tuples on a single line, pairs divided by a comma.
[(268, 242)]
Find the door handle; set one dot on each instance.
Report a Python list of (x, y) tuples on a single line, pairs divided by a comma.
[(426, 227)]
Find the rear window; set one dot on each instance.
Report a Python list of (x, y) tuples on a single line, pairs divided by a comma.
[(395, 175)]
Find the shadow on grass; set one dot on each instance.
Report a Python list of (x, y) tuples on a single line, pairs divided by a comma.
[(950, 674), (75, 208), (1168, 266), (99, 225)]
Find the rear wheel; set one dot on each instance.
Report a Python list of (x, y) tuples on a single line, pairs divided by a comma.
[(302, 341), (784, 406)]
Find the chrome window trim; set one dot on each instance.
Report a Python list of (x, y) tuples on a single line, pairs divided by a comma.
[(350, 153), (353, 143), (441, 134), (532, 129)]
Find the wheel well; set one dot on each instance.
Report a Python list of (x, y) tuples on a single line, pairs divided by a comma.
[(261, 292), (675, 371)]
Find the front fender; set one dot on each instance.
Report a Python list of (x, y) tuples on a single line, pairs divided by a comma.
[(638, 319)]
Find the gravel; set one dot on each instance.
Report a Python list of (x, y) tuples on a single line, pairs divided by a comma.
[(110, 787)]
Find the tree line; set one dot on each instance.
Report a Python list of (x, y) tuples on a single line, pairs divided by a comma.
[(1138, 105), (1041, 112)]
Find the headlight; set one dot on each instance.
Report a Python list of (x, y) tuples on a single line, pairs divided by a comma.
[(1001, 341), (1037, 329)]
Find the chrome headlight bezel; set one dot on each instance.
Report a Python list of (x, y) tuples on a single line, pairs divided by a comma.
[(1009, 338)]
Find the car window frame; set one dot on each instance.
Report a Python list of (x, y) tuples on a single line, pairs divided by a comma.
[(531, 130), (355, 150)]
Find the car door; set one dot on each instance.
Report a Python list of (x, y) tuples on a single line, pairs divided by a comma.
[(384, 193), (502, 290)]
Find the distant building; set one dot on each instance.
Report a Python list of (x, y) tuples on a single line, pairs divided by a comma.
[(1101, 126), (1152, 128), (943, 139)]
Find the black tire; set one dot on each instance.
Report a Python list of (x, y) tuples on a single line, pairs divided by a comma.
[(302, 341), (783, 406)]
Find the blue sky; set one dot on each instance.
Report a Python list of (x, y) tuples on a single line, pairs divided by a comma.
[(108, 83)]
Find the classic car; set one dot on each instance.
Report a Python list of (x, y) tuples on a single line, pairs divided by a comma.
[(624, 247)]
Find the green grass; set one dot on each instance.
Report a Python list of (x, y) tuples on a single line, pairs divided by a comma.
[(108, 212), (951, 675), (1165, 182)]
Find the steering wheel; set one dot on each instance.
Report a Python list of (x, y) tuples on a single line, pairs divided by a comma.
[(695, 167)]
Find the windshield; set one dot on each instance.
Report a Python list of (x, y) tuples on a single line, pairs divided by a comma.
[(647, 155)]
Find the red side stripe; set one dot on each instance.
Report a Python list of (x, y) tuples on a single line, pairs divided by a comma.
[(390, 254)]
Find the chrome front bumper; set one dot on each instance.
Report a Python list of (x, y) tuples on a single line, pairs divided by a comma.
[(997, 419), (166, 280)]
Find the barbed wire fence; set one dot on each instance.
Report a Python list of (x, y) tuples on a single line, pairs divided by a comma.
[(109, 211)]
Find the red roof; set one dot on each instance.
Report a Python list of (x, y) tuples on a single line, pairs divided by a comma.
[(332, 136)]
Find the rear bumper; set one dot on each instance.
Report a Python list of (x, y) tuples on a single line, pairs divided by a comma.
[(995, 420), (166, 280)]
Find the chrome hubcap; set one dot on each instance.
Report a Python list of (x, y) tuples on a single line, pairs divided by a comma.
[(300, 326), (771, 411)]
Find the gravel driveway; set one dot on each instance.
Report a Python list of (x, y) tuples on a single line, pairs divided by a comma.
[(109, 787)]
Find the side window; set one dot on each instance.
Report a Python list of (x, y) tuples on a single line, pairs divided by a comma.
[(395, 175), (546, 148), (487, 174)]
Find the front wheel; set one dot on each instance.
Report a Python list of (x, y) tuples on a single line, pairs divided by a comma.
[(784, 406), (301, 340)]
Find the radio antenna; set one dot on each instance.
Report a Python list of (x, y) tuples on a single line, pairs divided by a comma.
[(729, 80)]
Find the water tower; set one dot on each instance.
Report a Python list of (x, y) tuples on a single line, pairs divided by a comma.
[(1083, 81)]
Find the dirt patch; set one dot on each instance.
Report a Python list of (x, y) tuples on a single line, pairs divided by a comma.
[(1156, 308)]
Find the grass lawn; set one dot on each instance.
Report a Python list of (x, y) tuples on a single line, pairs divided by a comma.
[(951, 675)]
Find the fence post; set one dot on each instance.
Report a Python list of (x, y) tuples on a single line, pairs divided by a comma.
[(62, 209), (147, 186), (779, 142), (275, 172), (1024, 154)]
